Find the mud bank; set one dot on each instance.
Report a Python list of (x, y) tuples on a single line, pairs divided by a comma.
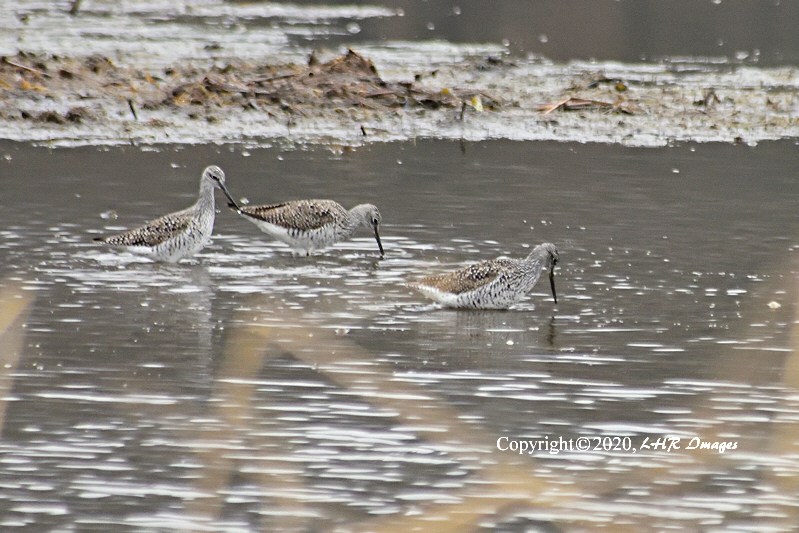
[(93, 99), (184, 76)]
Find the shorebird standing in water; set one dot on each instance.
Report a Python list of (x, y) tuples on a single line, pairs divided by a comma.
[(308, 225), (492, 284), (177, 235)]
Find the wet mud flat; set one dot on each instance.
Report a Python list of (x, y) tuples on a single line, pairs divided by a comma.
[(346, 98), (257, 72), (90, 88)]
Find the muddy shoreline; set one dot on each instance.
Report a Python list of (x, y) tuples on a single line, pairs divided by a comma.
[(345, 99), (260, 73)]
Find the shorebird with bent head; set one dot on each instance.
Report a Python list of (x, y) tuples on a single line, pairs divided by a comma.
[(309, 225), (492, 284)]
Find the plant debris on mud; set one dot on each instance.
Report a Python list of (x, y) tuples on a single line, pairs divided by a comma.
[(95, 99), (348, 81)]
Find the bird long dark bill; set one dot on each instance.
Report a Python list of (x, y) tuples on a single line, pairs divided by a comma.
[(230, 201), (552, 283), (379, 244)]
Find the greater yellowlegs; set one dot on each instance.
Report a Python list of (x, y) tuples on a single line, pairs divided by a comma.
[(177, 235), (308, 225), (492, 284)]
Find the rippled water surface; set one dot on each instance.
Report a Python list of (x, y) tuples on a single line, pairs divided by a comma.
[(249, 389), (737, 31)]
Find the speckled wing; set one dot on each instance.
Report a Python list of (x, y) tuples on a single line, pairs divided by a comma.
[(153, 233), (468, 278), (303, 215)]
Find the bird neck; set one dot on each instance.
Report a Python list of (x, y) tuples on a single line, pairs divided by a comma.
[(206, 198)]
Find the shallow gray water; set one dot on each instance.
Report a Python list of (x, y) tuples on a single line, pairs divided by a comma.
[(738, 31), (253, 390), (734, 31)]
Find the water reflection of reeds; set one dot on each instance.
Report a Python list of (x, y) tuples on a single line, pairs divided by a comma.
[(238, 441), (15, 305), (336, 403), (501, 488)]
